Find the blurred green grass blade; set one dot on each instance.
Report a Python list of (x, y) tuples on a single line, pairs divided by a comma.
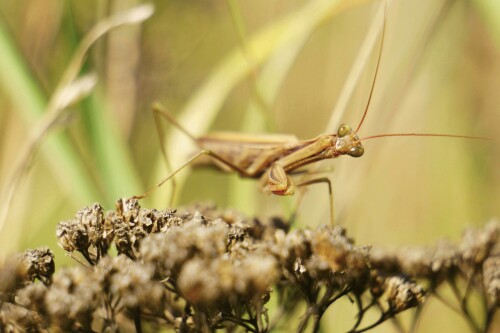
[(352, 81), (202, 108), (116, 167), (243, 195), (114, 163), (63, 159), (490, 10), (28, 99), (259, 102)]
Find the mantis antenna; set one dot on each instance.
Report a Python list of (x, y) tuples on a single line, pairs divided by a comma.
[(376, 70)]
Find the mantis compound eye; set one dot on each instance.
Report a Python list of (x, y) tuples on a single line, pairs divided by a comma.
[(357, 151), (344, 129)]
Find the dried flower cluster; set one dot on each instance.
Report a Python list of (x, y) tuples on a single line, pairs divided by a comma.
[(203, 269), (472, 264)]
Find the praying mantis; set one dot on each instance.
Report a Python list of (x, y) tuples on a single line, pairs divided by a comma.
[(275, 159)]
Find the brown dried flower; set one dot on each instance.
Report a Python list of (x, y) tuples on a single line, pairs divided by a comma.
[(39, 264), (203, 269), (491, 274), (403, 294)]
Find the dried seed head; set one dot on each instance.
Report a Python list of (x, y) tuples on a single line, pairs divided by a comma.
[(259, 273), (237, 232), (132, 283), (221, 280), (384, 260), (477, 243), (199, 282), (73, 298), (127, 207), (445, 260), (15, 319), (333, 247), (124, 239), (72, 236), (13, 276), (39, 264), (85, 233), (377, 284), (290, 247), (434, 264), (299, 268), (153, 221), (32, 297), (92, 219), (403, 294), (347, 263), (169, 251), (23, 269), (131, 223), (491, 277)]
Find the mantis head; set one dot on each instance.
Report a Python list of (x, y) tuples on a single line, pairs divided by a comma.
[(348, 142)]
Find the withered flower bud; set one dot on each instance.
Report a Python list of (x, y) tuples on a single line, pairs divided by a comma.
[(220, 280), (477, 243), (127, 207), (255, 274), (403, 294), (92, 218), (237, 232), (491, 277), (289, 247), (14, 318), (415, 261), (123, 242), (153, 221), (32, 297), (13, 276), (169, 251), (445, 261), (384, 260), (198, 281), (73, 298), (86, 233), (435, 264), (131, 283), (298, 267), (39, 264), (332, 246), (72, 236), (131, 223)]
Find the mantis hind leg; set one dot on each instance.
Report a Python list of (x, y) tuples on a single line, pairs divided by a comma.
[(320, 180), (160, 111), (191, 160)]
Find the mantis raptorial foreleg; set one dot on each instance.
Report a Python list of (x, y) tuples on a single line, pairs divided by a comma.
[(189, 161)]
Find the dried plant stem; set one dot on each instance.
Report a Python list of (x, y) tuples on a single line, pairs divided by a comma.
[(446, 302), (462, 300)]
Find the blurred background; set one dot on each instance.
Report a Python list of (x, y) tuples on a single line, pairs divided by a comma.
[(259, 67)]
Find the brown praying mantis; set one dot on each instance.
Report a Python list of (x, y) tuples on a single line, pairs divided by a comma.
[(274, 159)]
